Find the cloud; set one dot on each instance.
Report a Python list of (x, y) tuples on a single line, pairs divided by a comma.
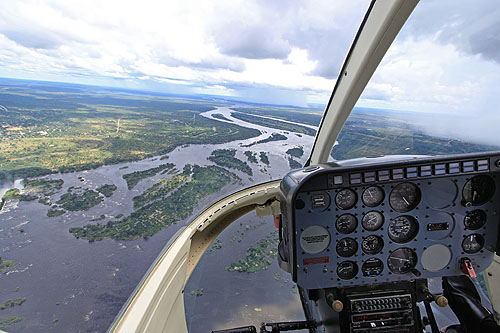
[(255, 42)]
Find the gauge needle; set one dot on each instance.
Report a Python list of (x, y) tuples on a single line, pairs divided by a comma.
[(370, 193), (474, 196), (404, 199), (402, 259)]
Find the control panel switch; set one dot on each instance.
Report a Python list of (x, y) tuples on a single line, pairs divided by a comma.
[(467, 268)]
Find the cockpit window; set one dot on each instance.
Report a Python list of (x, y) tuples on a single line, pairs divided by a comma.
[(436, 90)]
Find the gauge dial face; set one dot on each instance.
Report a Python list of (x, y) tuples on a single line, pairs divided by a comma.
[(347, 247), (372, 267), (404, 197), (372, 244), (372, 196), (346, 270), (346, 223), (402, 229), (478, 190), (473, 243), (402, 260), (346, 198), (475, 219), (372, 220)]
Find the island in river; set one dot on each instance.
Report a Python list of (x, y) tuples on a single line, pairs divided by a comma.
[(96, 181)]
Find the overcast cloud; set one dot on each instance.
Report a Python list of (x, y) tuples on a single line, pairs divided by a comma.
[(446, 59)]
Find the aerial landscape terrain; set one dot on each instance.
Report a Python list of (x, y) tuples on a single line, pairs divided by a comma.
[(95, 181)]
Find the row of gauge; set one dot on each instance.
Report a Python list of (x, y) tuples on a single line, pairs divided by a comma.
[(403, 228), (406, 196), (403, 198), (401, 261), (373, 244)]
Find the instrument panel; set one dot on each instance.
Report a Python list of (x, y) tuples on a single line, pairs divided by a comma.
[(390, 221)]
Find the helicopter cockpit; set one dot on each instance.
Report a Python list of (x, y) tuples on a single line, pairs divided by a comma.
[(361, 238)]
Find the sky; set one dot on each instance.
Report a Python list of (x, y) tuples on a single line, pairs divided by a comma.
[(445, 60)]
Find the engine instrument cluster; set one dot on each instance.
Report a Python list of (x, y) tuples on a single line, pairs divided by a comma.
[(389, 221)]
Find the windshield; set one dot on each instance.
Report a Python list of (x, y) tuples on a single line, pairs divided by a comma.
[(121, 121), (435, 92)]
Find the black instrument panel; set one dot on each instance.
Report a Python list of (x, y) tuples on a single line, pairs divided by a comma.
[(385, 222)]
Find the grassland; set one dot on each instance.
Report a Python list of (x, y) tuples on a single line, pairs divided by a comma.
[(259, 256), (50, 128), (106, 189), (294, 164), (273, 137), (6, 265), (263, 158), (297, 152), (159, 190), (170, 208), (371, 133), (274, 123), (6, 322), (10, 303), (133, 178), (251, 156), (77, 199), (226, 158)]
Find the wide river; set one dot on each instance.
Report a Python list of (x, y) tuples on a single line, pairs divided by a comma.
[(72, 285)]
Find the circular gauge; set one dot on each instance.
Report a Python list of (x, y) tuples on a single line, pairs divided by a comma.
[(346, 223), (372, 220), (402, 229), (347, 247), (372, 244), (404, 197), (475, 219), (346, 198), (478, 190), (372, 267), (402, 260), (473, 243), (372, 196), (346, 270)]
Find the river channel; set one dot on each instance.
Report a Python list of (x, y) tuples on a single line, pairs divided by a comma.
[(72, 285)]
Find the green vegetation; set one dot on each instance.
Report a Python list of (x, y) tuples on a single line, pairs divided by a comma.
[(251, 156), (296, 114), (15, 193), (259, 256), (53, 128), (165, 157), (159, 190), (107, 189), (10, 303), (294, 164), (7, 321), (178, 205), (6, 265), (221, 116), (100, 218), (263, 158), (374, 133), (44, 187), (217, 245), (274, 123), (119, 216), (273, 137), (297, 152), (133, 178), (198, 292), (225, 158), (55, 212), (79, 199)]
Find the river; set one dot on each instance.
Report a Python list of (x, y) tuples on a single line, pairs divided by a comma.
[(72, 285)]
